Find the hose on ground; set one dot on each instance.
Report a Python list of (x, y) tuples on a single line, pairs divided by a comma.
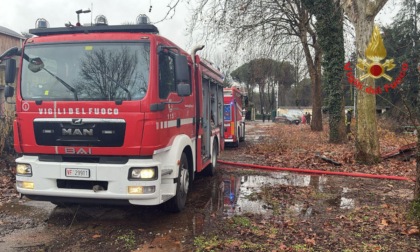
[(317, 172)]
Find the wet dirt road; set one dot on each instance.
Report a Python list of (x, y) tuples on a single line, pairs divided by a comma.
[(34, 225), (41, 226)]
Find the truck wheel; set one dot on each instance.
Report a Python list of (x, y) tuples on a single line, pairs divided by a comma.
[(242, 135), (236, 143), (211, 169), (177, 203)]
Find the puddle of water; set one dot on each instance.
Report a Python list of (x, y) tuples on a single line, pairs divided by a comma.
[(401, 193), (255, 134), (346, 203), (238, 189), (22, 225)]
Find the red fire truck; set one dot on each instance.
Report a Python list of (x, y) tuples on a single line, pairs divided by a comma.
[(233, 116), (112, 114)]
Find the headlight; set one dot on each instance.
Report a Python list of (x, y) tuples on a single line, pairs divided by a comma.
[(142, 173), (24, 170)]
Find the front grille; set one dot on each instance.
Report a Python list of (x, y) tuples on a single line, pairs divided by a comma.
[(87, 132), (86, 159), (82, 184)]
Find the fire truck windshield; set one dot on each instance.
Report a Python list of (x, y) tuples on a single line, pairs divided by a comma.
[(86, 71)]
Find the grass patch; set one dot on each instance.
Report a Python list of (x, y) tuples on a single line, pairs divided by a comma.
[(415, 210), (241, 221), (301, 248), (204, 243), (128, 240)]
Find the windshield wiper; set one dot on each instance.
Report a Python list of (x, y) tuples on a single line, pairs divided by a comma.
[(122, 87), (64, 84), (36, 64)]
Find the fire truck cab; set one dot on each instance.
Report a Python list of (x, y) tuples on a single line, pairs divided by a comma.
[(112, 114)]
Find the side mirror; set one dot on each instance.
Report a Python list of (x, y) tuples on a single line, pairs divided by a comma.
[(10, 74), (183, 89), (182, 73), (14, 51), (9, 91)]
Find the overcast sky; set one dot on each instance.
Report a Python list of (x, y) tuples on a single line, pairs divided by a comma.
[(20, 15)]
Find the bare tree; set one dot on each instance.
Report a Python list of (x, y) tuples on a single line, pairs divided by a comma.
[(300, 72), (264, 24)]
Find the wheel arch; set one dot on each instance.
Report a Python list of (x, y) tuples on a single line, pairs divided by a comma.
[(190, 157), (170, 159)]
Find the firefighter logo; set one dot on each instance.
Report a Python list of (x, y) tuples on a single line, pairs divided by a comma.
[(375, 53), (372, 66)]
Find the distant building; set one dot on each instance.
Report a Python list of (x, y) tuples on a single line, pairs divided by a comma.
[(8, 39)]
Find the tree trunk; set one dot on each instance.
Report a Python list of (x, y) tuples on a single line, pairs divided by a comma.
[(367, 139), (262, 102), (316, 122), (314, 66), (329, 29), (362, 14), (282, 95), (335, 58), (336, 112), (417, 187)]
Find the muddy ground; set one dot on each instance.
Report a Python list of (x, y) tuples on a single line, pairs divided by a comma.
[(240, 209)]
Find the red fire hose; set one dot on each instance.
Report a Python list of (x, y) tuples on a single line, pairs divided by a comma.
[(318, 172)]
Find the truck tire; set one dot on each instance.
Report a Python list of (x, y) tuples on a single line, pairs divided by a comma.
[(236, 143), (242, 135), (211, 169), (177, 203)]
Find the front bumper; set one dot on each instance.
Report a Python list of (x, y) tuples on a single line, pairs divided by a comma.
[(111, 179)]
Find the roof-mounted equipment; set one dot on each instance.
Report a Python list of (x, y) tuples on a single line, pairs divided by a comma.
[(101, 20), (142, 19), (42, 23), (101, 25), (78, 15)]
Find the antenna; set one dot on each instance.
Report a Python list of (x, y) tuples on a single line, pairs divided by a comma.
[(91, 14), (78, 15)]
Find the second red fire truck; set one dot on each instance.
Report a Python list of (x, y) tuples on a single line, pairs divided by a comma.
[(112, 114), (233, 116)]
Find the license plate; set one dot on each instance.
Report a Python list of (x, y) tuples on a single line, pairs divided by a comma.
[(77, 172)]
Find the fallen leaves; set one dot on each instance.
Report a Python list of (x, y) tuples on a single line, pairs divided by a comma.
[(297, 147), (96, 236), (374, 221), (7, 179), (310, 241), (384, 224), (413, 230)]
